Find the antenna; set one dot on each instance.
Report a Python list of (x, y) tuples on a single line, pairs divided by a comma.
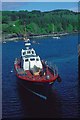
[(27, 45), (25, 31), (25, 34)]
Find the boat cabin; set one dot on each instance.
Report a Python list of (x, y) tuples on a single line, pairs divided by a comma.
[(28, 52), (29, 60)]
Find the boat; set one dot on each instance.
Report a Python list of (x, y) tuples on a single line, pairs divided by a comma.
[(35, 42), (26, 39), (31, 69), (4, 42), (56, 37)]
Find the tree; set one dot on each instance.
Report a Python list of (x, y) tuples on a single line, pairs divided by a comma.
[(69, 28), (33, 28), (38, 22)]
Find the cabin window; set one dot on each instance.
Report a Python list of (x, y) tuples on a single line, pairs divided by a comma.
[(32, 59), (24, 53), (32, 52), (28, 52), (26, 60), (37, 59)]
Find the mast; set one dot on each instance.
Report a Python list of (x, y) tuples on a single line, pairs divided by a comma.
[(24, 31), (25, 34)]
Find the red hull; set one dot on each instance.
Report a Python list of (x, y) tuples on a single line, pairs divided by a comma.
[(35, 78)]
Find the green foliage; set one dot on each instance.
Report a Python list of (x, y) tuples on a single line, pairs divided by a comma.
[(38, 22), (32, 27), (70, 28)]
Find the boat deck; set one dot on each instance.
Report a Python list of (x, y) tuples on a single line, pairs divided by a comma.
[(48, 76)]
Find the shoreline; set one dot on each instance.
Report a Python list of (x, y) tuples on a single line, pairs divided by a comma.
[(4, 39)]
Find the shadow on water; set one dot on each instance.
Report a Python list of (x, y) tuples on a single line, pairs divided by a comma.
[(79, 99), (79, 85), (36, 107)]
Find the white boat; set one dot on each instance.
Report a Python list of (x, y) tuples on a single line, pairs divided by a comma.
[(56, 37), (4, 41), (26, 39)]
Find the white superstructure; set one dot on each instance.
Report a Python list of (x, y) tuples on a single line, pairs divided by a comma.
[(29, 58)]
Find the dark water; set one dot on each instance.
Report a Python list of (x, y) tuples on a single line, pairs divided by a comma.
[(63, 101)]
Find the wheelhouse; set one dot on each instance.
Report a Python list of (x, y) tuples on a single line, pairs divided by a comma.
[(29, 59)]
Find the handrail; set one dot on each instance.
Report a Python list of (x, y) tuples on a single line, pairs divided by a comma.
[(53, 67)]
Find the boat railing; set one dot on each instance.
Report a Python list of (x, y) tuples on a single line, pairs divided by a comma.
[(17, 60), (52, 67)]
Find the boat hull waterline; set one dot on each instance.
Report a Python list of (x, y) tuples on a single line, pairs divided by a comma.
[(46, 77)]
